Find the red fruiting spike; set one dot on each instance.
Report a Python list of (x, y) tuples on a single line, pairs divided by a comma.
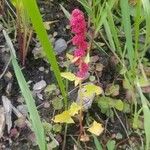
[(83, 70), (79, 53), (78, 27), (83, 45), (78, 39), (77, 21), (77, 12)]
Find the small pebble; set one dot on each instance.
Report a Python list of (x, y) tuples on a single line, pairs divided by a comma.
[(60, 46), (41, 69), (39, 85), (55, 34), (8, 76), (46, 105)]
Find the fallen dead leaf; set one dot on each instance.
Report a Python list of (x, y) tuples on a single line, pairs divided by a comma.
[(8, 112), (2, 120), (39, 85), (99, 67), (84, 138)]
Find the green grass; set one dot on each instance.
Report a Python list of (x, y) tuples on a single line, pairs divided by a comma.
[(128, 32), (123, 41), (146, 111), (35, 118), (36, 19)]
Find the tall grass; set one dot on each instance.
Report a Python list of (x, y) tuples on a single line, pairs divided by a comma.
[(36, 19), (97, 11), (35, 119), (146, 112), (123, 41)]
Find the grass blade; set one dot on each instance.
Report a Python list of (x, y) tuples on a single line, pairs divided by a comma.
[(109, 35), (37, 22), (104, 14), (36, 123), (114, 32), (97, 143), (137, 25), (146, 6), (146, 112), (67, 14), (127, 29), (86, 6)]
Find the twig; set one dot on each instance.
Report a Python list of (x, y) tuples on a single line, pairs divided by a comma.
[(64, 142), (122, 124), (19, 115), (10, 8), (5, 68)]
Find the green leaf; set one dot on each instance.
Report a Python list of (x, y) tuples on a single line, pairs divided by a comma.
[(97, 143), (57, 128), (111, 145), (119, 105), (57, 103), (50, 89), (105, 103), (47, 127), (112, 90)]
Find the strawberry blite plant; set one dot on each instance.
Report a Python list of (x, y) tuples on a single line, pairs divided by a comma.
[(79, 58)]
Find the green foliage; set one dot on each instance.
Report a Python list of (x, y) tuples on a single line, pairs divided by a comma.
[(97, 11), (106, 103), (112, 90), (35, 118), (47, 127), (57, 128), (97, 143), (67, 14), (32, 10), (128, 32), (50, 89), (146, 111), (111, 145), (57, 103)]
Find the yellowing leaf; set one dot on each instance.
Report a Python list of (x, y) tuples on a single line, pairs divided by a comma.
[(74, 59), (48, 23), (84, 138), (64, 117), (69, 56), (87, 58), (77, 81), (74, 108), (96, 128), (68, 75), (92, 89)]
